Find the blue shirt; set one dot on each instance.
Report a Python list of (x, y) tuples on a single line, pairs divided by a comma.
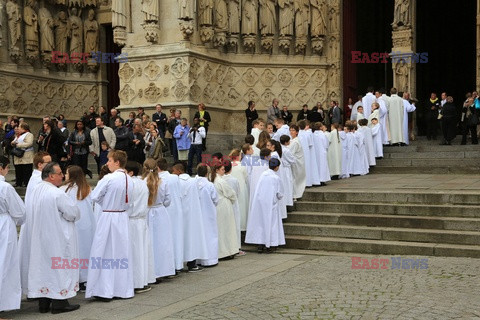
[(183, 142)]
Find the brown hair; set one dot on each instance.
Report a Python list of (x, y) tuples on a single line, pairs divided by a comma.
[(263, 138), (245, 148), (103, 172), (150, 172), (213, 174), (38, 158), (76, 176), (120, 156), (234, 154), (25, 126)]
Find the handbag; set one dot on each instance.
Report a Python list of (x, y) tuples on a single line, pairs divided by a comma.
[(168, 135), (17, 152)]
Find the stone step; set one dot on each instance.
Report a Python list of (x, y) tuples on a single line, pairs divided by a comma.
[(385, 247), (320, 195), (431, 148), (408, 169), (428, 162), (444, 210), (433, 155), (384, 233), (375, 220)]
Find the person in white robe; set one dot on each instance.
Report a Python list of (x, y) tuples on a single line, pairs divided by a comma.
[(375, 112), (114, 193), (360, 114), (352, 146), (228, 244), (194, 236), (345, 154), (257, 169), (40, 160), (140, 237), (407, 108), (320, 144), (367, 101), (12, 213), (287, 161), (306, 140), (377, 138), (382, 100), (235, 185), (265, 228), (174, 210), (208, 201), (159, 223), (248, 160), (367, 135), (298, 168), (334, 151), (282, 129), (360, 166), (240, 172), (396, 115), (257, 127), (85, 226), (353, 115), (53, 271), (276, 149)]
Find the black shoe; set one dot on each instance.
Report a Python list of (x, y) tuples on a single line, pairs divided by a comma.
[(102, 299), (82, 287), (89, 174), (44, 305), (195, 269), (68, 308), (260, 249), (144, 289)]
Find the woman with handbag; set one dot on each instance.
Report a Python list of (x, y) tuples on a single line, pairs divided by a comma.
[(79, 141), (23, 155), (469, 121)]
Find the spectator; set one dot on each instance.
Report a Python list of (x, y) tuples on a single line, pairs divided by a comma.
[(160, 119), (130, 121), (353, 115), (347, 111), (449, 121), (304, 113), (99, 134), (286, 115), (9, 135), (102, 112), (195, 135), (2, 137), (65, 134), (23, 165), (121, 135), (183, 142), (137, 144), (104, 150), (79, 142), (89, 120), (114, 116), (172, 124), (169, 132), (205, 119), (469, 121), (251, 115), (273, 112), (150, 139), (51, 141), (140, 113), (431, 123), (315, 115), (336, 113)]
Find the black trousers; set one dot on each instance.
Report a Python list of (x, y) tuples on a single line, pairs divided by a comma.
[(449, 126), (81, 160), (432, 127), (204, 140), (97, 160), (23, 172), (44, 303), (473, 132), (195, 151)]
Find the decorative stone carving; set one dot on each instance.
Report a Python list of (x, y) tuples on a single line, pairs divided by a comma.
[(152, 71), (208, 72), (249, 17), (317, 44), (302, 96), (93, 92), (73, 3), (233, 24), (402, 73), (317, 96), (302, 17), (166, 92), (300, 45), (267, 97), (319, 18), (127, 94), (231, 77), (34, 88), (4, 85), (267, 43), (301, 78), (187, 28), (140, 93), (250, 77), (287, 16), (205, 13), (268, 19), (150, 10), (206, 34), (401, 17), (92, 3), (195, 92), (285, 97), (333, 76), (268, 78), (14, 28), (284, 43), (19, 105), (47, 41), (402, 38), (49, 90), (80, 93), (139, 72), (221, 15), (220, 73), (76, 35), (30, 18), (186, 10), (152, 93), (179, 68), (220, 39), (126, 73), (318, 78), (285, 78), (151, 31), (4, 102), (18, 86), (234, 97), (120, 14), (194, 69), (91, 30), (62, 30), (166, 69), (333, 49), (221, 96), (65, 91), (249, 42), (334, 15), (208, 94)]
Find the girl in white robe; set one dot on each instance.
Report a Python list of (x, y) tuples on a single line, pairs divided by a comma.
[(159, 223), (306, 141), (352, 146), (345, 154), (367, 134), (377, 138), (334, 152), (77, 188), (320, 144), (235, 185), (208, 201), (361, 162), (287, 161), (227, 233), (298, 169), (276, 148), (240, 172), (375, 113), (12, 212)]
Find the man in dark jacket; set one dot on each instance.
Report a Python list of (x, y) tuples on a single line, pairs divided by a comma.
[(160, 119), (89, 119), (449, 121), (431, 116), (121, 133)]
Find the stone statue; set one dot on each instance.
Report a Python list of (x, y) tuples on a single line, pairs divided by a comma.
[(150, 10), (221, 15), (47, 41), (249, 17), (30, 18), (90, 30), (92, 3), (64, 2), (401, 73), (319, 23), (205, 12), (267, 17), (62, 30), (234, 16), (76, 31), (75, 3), (302, 15), (334, 13), (286, 17), (186, 10), (14, 24), (401, 15), (119, 13)]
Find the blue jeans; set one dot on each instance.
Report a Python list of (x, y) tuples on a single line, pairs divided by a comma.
[(195, 150)]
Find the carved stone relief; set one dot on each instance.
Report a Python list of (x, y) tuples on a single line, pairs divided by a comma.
[(302, 96), (93, 92), (195, 92), (267, 97), (285, 78), (4, 85), (234, 97), (301, 78), (208, 94), (80, 92), (152, 71), (179, 90), (208, 72), (34, 88), (126, 73), (232, 77), (268, 78), (285, 97), (221, 96), (18, 86), (194, 69), (318, 78), (65, 91), (179, 68), (152, 93), (250, 77), (251, 95)]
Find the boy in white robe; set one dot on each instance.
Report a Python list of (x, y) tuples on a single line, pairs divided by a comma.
[(282, 129), (240, 172), (298, 169), (257, 169), (12, 213), (257, 127), (360, 115), (352, 145), (377, 138), (235, 185), (248, 160), (265, 228), (114, 193), (140, 238), (345, 153), (334, 154), (367, 134), (250, 140), (287, 161), (208, 201), (174, 210), (320, 144), (305, 138), (360, 157), (194, 237)]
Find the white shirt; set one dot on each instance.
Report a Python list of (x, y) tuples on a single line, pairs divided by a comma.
[(198, 136)]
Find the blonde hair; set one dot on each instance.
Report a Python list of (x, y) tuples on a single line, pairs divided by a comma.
[(150, 172)]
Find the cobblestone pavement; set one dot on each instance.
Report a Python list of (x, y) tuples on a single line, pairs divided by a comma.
[(296, 286)]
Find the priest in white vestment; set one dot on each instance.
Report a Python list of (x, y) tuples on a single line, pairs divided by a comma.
[(407, 108), (353, 115), (298, 168), (382, 101), (12, 213), (367, 101), (396, 115), (53, 272)]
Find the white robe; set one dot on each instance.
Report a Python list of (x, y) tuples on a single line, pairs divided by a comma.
[(360, 161), (377, 140), (284, 130), (395, 119), (345, 155), (353, 115), (320, 143), (298, 168), (235, 185), (160, 229), (407, 107), (175, 212), (194, 236), (111, 240), (227, 234), (282, 207), (352, 146), (369, 151), (56, 212), (334, 153), (256, 133), (265, 225), (287, 161), (208, 201), (306, 141), (140, 237), (240, 172), (367, 102), (85, 226), (12, 212), (383, 101), (374, 114), (257, 169)]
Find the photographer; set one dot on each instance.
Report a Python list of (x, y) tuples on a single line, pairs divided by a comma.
[(196, 135)]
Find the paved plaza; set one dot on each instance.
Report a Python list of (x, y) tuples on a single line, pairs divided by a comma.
[(297, 286)]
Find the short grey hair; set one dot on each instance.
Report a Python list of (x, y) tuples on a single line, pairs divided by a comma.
[(49, 169)]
